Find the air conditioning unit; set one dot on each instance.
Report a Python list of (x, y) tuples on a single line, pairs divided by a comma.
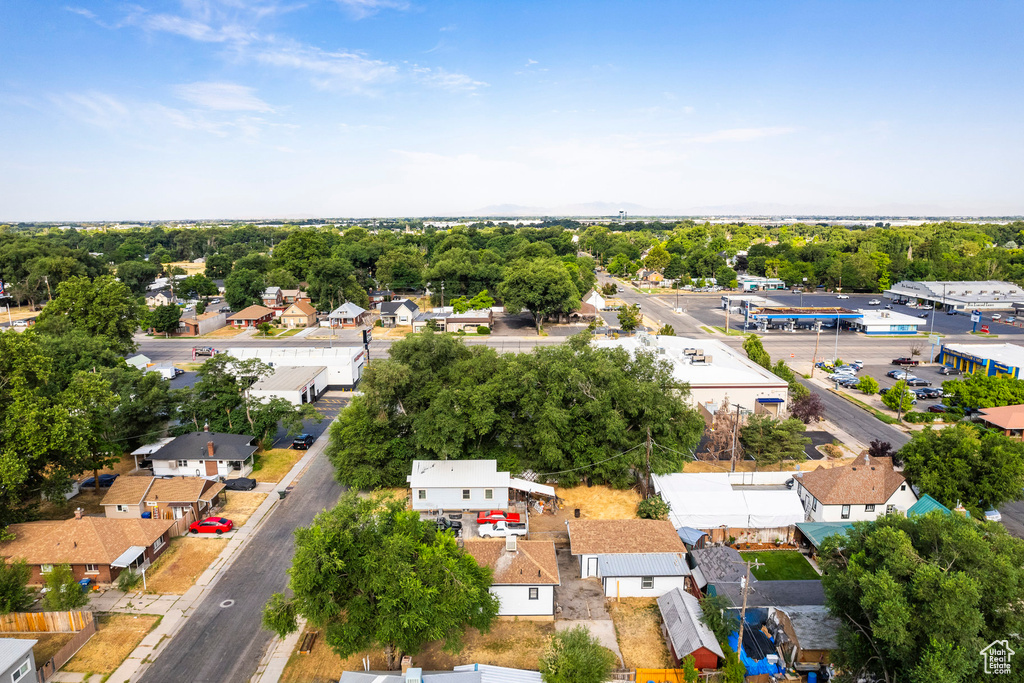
[(510, 544)]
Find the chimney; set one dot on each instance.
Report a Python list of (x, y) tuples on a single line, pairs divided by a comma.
[(78, 513), (209, 448), (206, 426)]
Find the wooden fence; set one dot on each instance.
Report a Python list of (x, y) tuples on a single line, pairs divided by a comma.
[(45, 670), (45, 622)]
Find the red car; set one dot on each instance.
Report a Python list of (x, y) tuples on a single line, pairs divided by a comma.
[(492, 516), (212, 525)]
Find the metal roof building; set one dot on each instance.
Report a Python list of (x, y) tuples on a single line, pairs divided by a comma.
[(645, 564)]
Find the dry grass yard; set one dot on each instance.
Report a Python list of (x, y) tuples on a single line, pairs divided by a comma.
[(240, 505), (116, 636), (275, 463), (599, 502), (182, 563), (638, 630), (748, 465), (49, 643)]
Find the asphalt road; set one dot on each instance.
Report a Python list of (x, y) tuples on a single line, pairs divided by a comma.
[(225, 644), (857, 422)]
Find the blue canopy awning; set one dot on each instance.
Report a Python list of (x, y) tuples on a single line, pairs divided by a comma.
[(770, 400)]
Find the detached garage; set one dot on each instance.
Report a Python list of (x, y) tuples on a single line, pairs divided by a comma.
[(296, 384)]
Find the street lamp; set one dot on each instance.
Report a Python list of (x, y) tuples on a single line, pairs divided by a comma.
[(835, 353)]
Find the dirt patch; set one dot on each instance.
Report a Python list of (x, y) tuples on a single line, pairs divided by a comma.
[(638, 630), (177, 569), (240, 505), (189, 267), (398, 332), (276, 463), (748, 466), (225, 332), (599, 502), (49, 643), (116, 636)]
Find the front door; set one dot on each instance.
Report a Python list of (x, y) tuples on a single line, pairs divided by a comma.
[(211, 468), (591, 566)]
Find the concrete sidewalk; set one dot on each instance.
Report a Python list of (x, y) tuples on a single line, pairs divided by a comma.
[(175, 609)]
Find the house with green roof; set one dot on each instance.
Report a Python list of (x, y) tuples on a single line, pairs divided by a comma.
[(926, 504)]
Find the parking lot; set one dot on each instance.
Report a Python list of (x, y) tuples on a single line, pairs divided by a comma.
[(928, 373)]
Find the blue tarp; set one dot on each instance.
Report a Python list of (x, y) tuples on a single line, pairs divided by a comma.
[(754, 667)]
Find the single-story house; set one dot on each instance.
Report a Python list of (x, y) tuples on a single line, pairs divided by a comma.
[(138, 361), (808, 632), (861, 491), (465, 485), (17, 660), (633, 558), (134, 497), (273, 297), (205, 454), (394, 313), (348, 315), (684, 631), (299, 314), (97, 548), (525, 574), (251, 316), (296, 384), (1007, 419), (160, 298), (290, 296), (469, 321), (202, 324)]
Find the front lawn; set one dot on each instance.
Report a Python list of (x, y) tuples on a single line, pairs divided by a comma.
[(178, 568), (781, 565), (117, 636), (272, 465)]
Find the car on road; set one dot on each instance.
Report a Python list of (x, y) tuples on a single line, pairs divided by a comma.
[(996, 316), (842, 296), (445, 524), (874, 302), (492, 516), (946, 370), (240, 484), (106, 480), (20, 323), (993, 515), (923, 315), (917, 382), (211, 525), (928, 392), (905, 361), (938, 408), (303, 441)]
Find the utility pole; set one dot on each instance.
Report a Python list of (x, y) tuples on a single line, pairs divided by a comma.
[(743, 610), (835, 354), (647, 484), (814, 358), (735, 428)]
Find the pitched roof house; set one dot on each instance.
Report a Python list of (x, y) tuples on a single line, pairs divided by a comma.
[(632, 557), (251, 316), (459, 485), (348, 315), (290, 296), (299, 314), (393, 313), (684, 631), (525, 574), (132, 497), (273, 297), (97, 548), (205, 454), (861, 491), (1007, 419)]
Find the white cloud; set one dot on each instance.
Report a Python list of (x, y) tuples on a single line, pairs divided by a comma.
[(741, 134), (530, 62), (222, 97), (81, 11), (441, 78), (329, 70), (361, 9), (93, 107)]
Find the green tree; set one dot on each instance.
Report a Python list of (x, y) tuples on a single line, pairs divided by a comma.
[(716, 618), (575, 656), (243, 288), (769, 441), (868, 385), (14, 593), (899, 398), (689, 668), (481, 302), (265, 328), (137, 274), (982, 391), (667, 331), (657, 258), (165, 318), (279, 277), (102, 306), (915, 594), (218, 266), (733, 671), (332, 282), (62, 590), (196, 286), (725, 277), (629, 317), (542, 287), (653, 507), (963, 464), (401, 268), (675, 268), (755, 351), (392, 581)]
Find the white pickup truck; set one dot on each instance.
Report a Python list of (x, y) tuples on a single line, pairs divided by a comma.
[(501, 529)]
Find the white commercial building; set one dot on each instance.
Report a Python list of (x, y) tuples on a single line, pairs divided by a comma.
[(713, 370), (756, 283), (296, 384), (344, 363), (885, 322), (959, 295)]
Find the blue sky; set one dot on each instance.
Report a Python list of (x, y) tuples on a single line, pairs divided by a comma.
[(284, 108)]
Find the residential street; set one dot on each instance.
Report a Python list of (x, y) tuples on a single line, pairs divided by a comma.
[(221, 644), (860, 424)]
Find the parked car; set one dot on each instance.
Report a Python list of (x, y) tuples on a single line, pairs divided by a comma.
[(905, 361), (303, 441), (105, 481), (1011, 319), (240, 484), (898, 374), (20, 323), (857, 365), (848, 381), (445, 524), (501, 529), (996, 316), (993, 515), (889, 306), (938, 408), (928, 392), (883, 392), (923, 315), (917, 382), (874, 302), (842, 296), (492, 516), (211, 525), (951, 311), (946, 370)]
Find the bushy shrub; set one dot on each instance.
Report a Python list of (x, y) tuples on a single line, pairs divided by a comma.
[(128, 580), (483, 329), (652, 508), (868, 385)]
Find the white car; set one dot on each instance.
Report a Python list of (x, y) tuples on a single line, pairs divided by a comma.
[(842, 296), (996, 316), (20, 323), (874, 302)]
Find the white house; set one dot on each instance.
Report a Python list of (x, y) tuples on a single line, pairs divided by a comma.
[(594, 299), (205, 454), (393, 313), (633, 558), (858, 492), (465, 485), (17, 661), (525, 575)]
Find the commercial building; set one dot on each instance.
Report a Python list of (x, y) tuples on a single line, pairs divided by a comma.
[(959, 295), (994, 360), (296, 384), (202, 324), (874, 321), (713, 372), (344, 363), (756, 283)]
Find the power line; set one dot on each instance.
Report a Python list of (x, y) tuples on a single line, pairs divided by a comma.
[(576, 469)]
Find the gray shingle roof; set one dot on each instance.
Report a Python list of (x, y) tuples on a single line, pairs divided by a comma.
[(391, 307), (347, 310), (192, 446), (720, 564), (775, 593), (681, 613), (645, 564)]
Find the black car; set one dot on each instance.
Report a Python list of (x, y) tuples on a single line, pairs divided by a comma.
[(443, 524), (923, 315), (240, 484), (931, 392), (951, 312), (303, 441), (938, 408), (917, 382), (946, 370), (105, 481)]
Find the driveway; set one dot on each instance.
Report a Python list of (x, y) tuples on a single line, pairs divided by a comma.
[(577, 598), (223, 641)]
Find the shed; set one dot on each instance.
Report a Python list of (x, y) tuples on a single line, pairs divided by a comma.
[(685, 632), (809, 632)]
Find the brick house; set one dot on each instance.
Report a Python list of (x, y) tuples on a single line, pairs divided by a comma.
[(251, 316), (131, 497), (299, 314)]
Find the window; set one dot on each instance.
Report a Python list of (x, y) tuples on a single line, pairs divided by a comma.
[(846, 512), (535, 594), (183, 463), (903, 488), (465, 494), (814, 505), (158, 543), (422, 493), (122, 508), (46, 568), (21, 671), (488, 494), (647, 582), (869, 508), (92, 569)]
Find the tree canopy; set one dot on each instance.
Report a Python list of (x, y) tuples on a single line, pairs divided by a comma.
[(102, 307), (983, 391), (771, 442), (541, 286)]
